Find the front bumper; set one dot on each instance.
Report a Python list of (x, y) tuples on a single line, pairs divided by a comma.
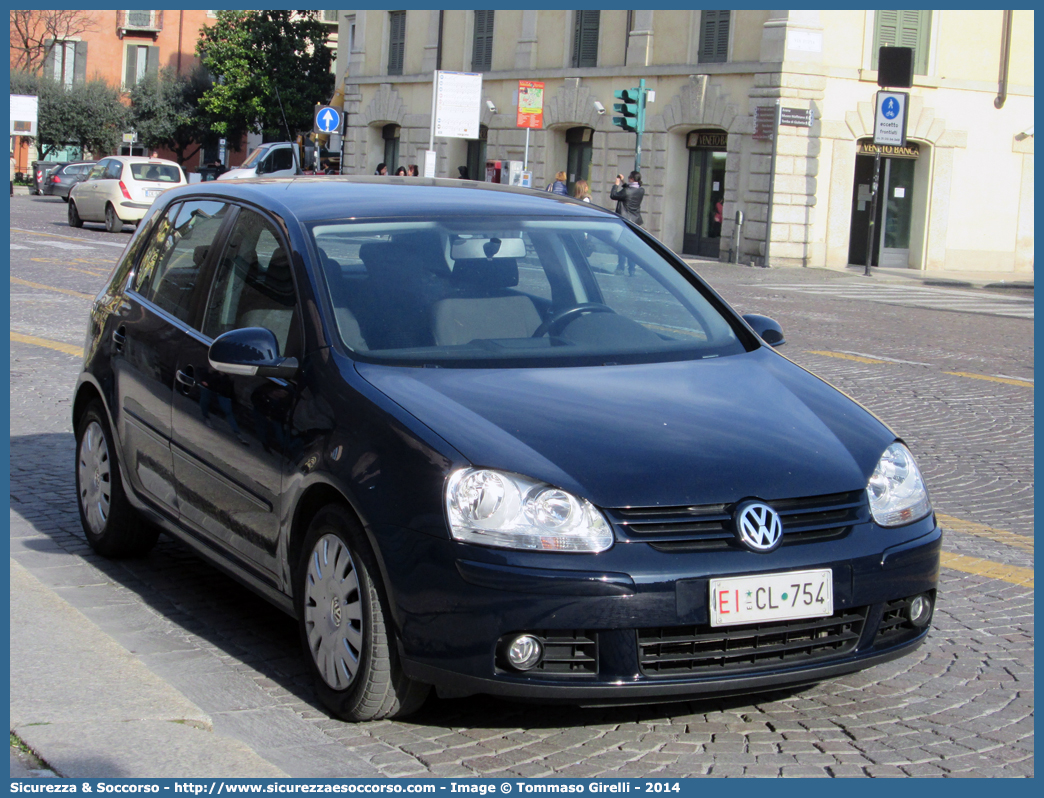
[(620, 621)]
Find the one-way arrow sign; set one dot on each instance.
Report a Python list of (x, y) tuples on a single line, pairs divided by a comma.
[(327, 119)]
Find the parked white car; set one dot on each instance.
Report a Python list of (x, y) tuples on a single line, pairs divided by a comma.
[(120, 189)]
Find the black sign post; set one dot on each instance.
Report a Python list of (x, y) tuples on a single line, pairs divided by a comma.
[(894, 70)]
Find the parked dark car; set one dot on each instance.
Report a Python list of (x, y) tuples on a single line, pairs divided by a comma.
[(59, 181), (39, 173), (428, 420)]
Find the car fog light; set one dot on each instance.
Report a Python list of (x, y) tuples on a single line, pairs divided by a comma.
[(920, 610), (525, 652)]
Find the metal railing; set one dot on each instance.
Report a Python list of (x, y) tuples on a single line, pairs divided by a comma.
[(138, 20)]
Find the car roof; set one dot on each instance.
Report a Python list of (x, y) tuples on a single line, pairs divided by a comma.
[(139, 159), (319, 198)]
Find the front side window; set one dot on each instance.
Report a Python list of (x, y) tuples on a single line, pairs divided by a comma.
[(532, 291), (168, 274), (253, 284), (114, 171)]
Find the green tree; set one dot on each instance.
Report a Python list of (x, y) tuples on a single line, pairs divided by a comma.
[(166, 112), (89, 114), (259, 58)]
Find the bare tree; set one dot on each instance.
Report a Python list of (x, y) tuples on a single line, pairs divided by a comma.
[(35, 33)]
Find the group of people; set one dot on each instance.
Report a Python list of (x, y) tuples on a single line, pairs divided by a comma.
[(628, 195), (403, 171)]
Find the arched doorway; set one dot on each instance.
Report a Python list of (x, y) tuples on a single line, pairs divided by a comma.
[(578, 158), (705, 192), (894, 224)]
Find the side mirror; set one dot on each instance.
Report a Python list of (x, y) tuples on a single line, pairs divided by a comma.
[(251, 351), (768, 329), (260, 168)]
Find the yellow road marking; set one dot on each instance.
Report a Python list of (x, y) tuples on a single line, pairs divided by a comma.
[(951, 524), (843, 356), (84, 241), (969, 375), (1005, 380), (1013, 574), (84, 271), (69, 349), (19, 281)]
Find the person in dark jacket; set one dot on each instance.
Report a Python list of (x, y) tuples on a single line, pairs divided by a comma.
[(628, 198), (382, 169), (559, 186)]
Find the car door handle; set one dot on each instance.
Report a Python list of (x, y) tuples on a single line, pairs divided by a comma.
[(186, 381), (119, 337)]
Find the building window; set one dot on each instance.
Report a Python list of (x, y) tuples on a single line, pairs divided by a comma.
[(142, 60), (329, 16), (390, 134), (67, 62), (396, 41), (585, 39), (904, 29), (482, 42), (714, 37)]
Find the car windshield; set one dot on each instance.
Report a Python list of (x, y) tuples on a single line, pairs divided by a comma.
[(156, 172), (253, 158), (534, 291)]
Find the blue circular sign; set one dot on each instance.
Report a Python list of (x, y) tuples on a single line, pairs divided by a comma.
[(890, 108), (327, 120)]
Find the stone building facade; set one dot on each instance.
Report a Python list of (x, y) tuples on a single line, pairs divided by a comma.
[(959, 197)]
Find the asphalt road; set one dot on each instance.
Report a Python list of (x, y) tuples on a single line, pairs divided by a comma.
[(950, 371)]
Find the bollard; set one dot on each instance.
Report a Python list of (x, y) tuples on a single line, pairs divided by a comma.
[(737, 235)]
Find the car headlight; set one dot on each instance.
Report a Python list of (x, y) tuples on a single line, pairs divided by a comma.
[(495, 508), (896, 491)]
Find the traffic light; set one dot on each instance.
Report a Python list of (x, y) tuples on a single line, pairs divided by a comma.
[(631, 109)]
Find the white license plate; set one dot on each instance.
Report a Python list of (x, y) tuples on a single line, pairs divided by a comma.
[(153, 192), (771, 597)]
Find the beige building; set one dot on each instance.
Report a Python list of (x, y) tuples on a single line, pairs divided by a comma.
[(958, 197)]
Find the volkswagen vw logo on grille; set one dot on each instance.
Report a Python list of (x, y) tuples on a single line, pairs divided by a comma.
[(758, 526)]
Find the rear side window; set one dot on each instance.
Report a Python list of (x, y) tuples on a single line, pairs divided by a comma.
[(160, 173), (169, 271), (114, 171)]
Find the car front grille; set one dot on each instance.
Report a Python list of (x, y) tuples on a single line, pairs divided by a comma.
[(709, 527), (675, 650), (895, 626)]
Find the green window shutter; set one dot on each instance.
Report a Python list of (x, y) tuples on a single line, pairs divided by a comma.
[(130, 74), (585, 39), (714, 37), (904, 29), (48, 64), (396, 41), (482, 42), (152, 64), (80, 65)]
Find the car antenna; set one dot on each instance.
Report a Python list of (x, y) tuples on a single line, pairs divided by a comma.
[(289, 138)]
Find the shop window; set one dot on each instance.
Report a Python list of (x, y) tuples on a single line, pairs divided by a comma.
[(482, 42), (714, 37), (585, 38), (396, 41), (903, 29)]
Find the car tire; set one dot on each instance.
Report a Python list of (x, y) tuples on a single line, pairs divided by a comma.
[(113, 223), (342, 609), (74, 216), (113, 527)]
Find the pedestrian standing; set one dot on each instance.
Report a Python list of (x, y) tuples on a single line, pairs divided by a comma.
[(559, 185), (628, 195), (414, 171), (400, 172), (463, 172), (12, 175), (582, 191), (382, 169)]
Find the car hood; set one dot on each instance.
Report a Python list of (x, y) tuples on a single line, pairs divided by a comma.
[(661, 434)]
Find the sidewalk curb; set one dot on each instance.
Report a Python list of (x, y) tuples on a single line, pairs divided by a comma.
[(61, 662)]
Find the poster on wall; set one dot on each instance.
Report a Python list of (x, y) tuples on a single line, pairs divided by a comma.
[(530, 104)]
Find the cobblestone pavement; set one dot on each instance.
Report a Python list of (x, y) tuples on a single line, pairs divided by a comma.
[(962, 705)]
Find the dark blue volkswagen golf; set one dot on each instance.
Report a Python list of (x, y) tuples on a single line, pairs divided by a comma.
[(440, 424)]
